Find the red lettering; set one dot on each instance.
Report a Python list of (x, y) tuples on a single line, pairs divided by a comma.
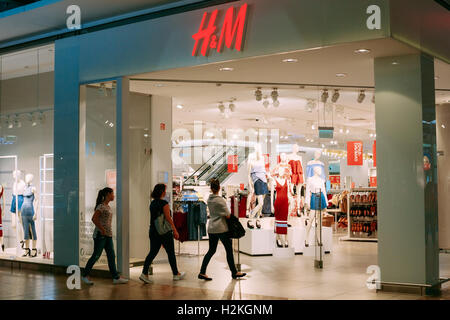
[(231, 30), (205, 34)]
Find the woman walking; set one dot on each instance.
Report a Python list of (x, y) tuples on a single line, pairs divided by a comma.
[(158, 207), (218, 230), (103, 237)]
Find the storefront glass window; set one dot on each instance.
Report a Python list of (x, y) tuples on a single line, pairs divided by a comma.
[(26, 154)]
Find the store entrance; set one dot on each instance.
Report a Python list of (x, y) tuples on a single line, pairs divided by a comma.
[(292, 113)]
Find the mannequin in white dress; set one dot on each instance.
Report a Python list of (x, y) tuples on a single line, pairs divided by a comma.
[(296, 163), (257, 179), (18, 190), (315, 198)]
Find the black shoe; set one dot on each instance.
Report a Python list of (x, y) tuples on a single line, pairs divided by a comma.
[(279, 244), (289, 226), (34, 254), (3, 247), (306, 245), (236, 276), (27, 252), (202, 277), (258, 224), (249, 225), (22, 243)]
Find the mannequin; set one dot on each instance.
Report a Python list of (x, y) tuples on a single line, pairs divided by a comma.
[(257, 179), (296, 163), (29, 210), (251, 191), (316, 196), (16, 203), (282, 184), (315, 163), (2, 209)]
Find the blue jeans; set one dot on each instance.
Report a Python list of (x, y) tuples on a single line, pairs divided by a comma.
[(100, 243), (213, 242)]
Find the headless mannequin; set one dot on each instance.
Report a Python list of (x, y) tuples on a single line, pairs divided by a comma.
[(251, 158), (256, 162), (18, 190), (2, 204), (282, 177), (316, 185), (298, 186), (28, 181)]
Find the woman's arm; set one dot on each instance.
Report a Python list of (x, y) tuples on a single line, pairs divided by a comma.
[(96, 221), (166, 210)]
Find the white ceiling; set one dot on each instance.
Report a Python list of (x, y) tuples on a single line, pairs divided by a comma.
[(316, 69)]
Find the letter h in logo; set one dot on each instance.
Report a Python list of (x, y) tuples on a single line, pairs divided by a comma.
[(232, 31)]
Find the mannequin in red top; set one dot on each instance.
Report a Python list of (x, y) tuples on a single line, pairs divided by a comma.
[(296, 163)]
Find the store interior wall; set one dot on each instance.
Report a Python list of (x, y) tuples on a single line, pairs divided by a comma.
[(140, 174), (443, 145), (31, 142)]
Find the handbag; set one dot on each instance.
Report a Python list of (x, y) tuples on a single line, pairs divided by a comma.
[(235, 228), (162, 225)]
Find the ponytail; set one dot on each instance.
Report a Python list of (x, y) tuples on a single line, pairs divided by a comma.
[(102, 196)]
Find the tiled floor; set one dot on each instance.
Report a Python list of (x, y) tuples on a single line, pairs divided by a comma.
[(343, 277)]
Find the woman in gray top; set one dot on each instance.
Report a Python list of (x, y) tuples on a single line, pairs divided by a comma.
[(218, 230)]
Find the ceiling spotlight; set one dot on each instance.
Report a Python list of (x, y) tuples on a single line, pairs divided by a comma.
[(274, 94), (341, 130), (324, 96), (436, 78), (310, 105), (395, 63), (33, 120), (9, 123), (291, 60), (362, 50), (361, 96), (232, 107), (226, 69), (221, 107), (180, 106), (258, 94), (335, 96), (341, 75), (347, 131), (443, 126)]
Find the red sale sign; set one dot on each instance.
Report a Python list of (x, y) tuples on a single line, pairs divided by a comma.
[(375, 154), (373, 181), (267, 161), (232, 163), (355, 153), (335, 179)]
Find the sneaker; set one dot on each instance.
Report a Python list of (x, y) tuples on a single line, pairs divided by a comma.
[(179, 276), (120, 281), (87, 281), (145, 279)]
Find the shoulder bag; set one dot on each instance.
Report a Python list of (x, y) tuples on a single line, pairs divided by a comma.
[(162, 225), (235, 228)]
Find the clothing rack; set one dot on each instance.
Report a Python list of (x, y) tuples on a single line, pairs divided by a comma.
[(181, 202)]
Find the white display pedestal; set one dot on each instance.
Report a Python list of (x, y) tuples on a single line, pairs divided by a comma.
[(263, 241), (283, 252)]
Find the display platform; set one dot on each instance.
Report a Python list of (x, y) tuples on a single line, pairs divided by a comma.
[(259, 242), (10, 254), (283, 252)]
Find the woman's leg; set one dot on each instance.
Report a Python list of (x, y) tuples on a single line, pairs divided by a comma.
[(99, 244), (213, 241), (226, 240), (155, 245), (167, 241), (109, 248)]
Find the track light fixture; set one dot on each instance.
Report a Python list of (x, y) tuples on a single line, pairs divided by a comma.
[(275, 96), (335, 96), (361, 96), (324, 96), (221, 107), (258, 94), (17, 122), (232, 106)]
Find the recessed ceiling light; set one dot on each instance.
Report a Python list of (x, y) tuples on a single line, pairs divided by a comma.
[(362, 50), (436, 78), (395, 63), (179, 106), (226, 69), (341, 75), (290, 60)]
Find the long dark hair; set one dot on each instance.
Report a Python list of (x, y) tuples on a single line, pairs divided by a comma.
[(158, 191), (102, 195)]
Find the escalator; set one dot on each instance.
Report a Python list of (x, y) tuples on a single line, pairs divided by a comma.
[(216, 166)]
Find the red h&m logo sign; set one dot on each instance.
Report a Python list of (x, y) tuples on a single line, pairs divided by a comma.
[(355, 153), (232, 31)]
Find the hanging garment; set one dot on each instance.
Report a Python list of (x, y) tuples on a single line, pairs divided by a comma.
[(14, 201), (197, 218), (1, 224), (281, 207), (243, 207), (310, 170), (180, 221), (297, 172), (267, 207)]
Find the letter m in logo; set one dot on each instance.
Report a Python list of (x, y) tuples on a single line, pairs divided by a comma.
[(233, 30)]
